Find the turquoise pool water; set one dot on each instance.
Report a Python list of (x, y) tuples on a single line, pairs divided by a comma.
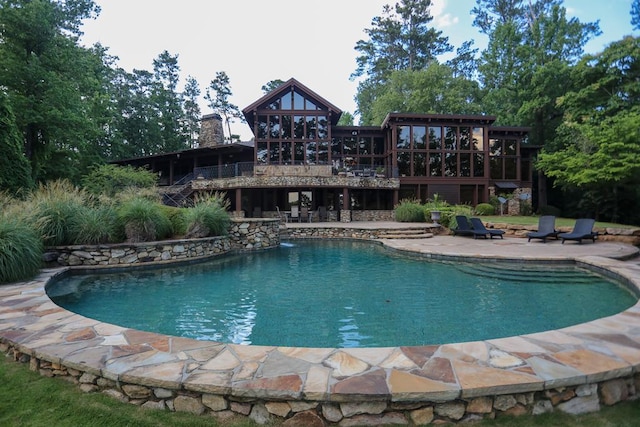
[(342, 294)]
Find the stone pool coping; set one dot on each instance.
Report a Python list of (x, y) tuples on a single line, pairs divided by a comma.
[(587, 353)]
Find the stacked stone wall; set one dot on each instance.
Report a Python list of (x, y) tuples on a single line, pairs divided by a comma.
[(244, 234), (574, 400)]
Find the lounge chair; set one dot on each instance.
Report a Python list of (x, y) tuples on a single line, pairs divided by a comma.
[(478, 226), (464, 228), (546, 228), (583, 229)]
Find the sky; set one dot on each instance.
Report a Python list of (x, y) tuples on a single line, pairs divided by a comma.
[(256, 41)]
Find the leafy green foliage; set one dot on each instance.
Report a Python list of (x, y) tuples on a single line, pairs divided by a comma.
[(143, 220), (15, 172), (177, 218), (112, 179), (20, 250), (208, 217)]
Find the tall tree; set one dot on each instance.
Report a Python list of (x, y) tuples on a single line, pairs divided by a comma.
[(597, 149), (218, 94), (192, 110), (400, 39), (50, 80), (15, 172), (433, 90), (635, 14), (169, 102), (271, 85)]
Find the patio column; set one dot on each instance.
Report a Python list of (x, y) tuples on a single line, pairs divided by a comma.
[(239, 213)]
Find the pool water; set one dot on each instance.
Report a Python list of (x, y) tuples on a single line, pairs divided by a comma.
[(342, 294)]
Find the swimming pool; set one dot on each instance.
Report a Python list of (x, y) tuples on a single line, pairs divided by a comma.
[(343, 294)]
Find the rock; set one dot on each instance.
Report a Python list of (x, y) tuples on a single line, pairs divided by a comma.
[(188, 404), (331, 412), (504, 402), (422, 416), (214, 402), (580, 405), (542, 407), (281, 409), (351, 409), (614, 391), (304, 419), (388, 418), (480, 405), (136, 391), (259, 414), (159, 405), (453, 410)]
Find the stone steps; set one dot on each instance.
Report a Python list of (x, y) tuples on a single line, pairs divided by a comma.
[(406, 233)]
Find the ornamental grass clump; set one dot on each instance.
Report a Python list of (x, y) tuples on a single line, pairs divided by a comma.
[(92, 225), (208, 216), (143, 220), (409, 211), (50, 210), (20, 250)]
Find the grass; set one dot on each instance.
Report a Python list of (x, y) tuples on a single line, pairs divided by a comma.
[(29, 399), (533, 220)]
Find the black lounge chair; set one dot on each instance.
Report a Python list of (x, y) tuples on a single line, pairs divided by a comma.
[(464, 228), (546, 228), (478, 226), (583, 229)]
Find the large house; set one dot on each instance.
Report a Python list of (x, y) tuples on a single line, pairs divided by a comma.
[(300, 158)]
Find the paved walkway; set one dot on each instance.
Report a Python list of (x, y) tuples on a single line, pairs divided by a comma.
[(582, 354)]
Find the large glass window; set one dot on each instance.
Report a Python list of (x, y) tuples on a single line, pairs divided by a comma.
[(298, 131), (311, 127), (419, 164), (323, 127), (450, 138), (262, 152), (451, 164), (286, 153), (298, 101), (263, 125), (404, 134), (478, 139), (378, 145), (478, 165), (286, 126), (465, 164), (435, 164), (364, 146), (274, 127), (465, 138), (419, 137), (435, 138), (404, 163)]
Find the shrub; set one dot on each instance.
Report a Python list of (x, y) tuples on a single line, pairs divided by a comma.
[(51, 209), (208, 216), (409, 211), (92, 225), (143, 220), (177, 218), (485, 209), (550, 210), (20, 250), (112, 179)]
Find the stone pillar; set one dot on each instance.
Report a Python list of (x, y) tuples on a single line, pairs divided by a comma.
[(345, 215)]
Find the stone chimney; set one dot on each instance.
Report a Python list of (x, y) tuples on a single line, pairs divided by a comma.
[(211, 132)]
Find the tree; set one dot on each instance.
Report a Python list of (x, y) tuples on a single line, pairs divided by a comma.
[(271, 85), (15, 172), (635, 14), (218, 94), (192, 110), (50, 80), (169, 102), (346, 119), (432, 90), (597, 149), (400, 39)]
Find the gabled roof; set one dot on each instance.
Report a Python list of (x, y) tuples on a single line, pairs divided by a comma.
[(249, 111)]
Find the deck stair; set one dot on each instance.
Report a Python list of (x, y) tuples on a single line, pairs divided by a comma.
[(406, 233), (177, 195)]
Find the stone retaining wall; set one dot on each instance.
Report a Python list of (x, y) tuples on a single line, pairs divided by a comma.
[(352, 232), (573, 400), (244, 234)]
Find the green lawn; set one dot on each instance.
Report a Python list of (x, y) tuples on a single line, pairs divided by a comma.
[(29, 399), (533, 220)]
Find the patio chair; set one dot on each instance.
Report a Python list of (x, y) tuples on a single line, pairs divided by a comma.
[(322, 214), (478, 226), (464, 228), (546, 228), (295, 213), (281, 216), (304, 214), (583, 229)]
